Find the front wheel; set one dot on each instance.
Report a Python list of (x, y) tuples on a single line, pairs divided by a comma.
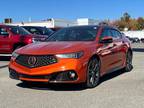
[(93, 73)]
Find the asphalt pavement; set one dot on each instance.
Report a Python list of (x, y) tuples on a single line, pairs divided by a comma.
[(116, 90)]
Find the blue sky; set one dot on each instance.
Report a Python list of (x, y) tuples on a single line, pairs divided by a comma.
[(21, 10)]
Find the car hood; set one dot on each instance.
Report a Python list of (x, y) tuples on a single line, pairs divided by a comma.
[(53, 48)]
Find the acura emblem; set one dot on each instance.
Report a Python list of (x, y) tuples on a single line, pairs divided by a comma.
[(32, 61)]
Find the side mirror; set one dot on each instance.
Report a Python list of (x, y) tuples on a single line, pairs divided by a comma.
[(107, 39)]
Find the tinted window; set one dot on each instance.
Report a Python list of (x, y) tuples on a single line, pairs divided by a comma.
[(74, 34), (47, 31), (3, 31), (105, 32), (39, 30), (116, 34), (34, 31), (18, 30)]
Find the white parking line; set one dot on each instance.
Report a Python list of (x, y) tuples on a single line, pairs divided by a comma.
[(5, 55)]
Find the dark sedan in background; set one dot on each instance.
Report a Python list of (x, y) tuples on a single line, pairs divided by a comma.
[(38, 30)]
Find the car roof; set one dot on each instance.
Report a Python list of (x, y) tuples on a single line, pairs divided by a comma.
[(5, 25), (34, 26), (103, 26)]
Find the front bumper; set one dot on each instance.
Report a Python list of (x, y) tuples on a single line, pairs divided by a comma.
[(52, 78), (65, 71)]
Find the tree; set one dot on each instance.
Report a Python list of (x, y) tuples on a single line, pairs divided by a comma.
[(126, 17), (140, 25), (127, 22)]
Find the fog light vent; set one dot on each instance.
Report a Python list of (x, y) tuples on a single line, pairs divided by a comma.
[(64, 76)]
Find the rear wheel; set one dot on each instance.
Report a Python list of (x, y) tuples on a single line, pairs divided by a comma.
[(93, 73), (128, 63)]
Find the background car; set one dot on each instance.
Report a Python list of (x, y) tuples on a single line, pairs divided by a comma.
[(142, 40), (14, 37), (38, 30), (134, 39), (56, 28), (79, 54)]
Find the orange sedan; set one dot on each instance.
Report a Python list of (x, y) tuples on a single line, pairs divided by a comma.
[(80, 54)]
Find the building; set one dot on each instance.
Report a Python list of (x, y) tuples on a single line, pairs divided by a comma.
[(86, 21), (49, 23), (57, 23)]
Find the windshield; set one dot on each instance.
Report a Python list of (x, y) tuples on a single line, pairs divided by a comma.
[(18, 30), (75, 34)]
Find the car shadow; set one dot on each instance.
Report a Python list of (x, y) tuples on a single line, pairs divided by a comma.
[(111, 75), (5, 58), (67, 87), (138, 49), (52, 87), (4, 66)]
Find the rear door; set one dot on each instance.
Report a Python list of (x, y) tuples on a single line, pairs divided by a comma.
[(4, 40)]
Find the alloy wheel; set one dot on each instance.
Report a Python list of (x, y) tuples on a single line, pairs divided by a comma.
[(93, 73)]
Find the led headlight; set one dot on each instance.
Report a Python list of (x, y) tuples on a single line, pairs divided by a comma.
[(71, 55), (15, 55)]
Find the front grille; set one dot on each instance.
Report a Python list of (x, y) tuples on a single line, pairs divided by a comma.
[(31, 61)]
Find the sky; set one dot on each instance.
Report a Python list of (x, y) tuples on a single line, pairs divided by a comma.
[(23, 10)]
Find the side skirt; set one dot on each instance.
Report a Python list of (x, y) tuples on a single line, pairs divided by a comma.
[(113, 70)]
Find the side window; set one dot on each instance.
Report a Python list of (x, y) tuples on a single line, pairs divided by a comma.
[(3, 32), (105, 32), (35, 31), (116, 34), (47, 31), (119, 34)]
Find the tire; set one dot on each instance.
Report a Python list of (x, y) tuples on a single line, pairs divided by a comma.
[(93, 73), (128, 62)]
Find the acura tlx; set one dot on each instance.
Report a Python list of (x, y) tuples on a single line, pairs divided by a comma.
[(80, 54)]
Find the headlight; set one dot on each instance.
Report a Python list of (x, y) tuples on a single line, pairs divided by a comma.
[(15, 55), (71, 55)]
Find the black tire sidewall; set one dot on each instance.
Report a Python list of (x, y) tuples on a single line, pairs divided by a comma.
[(88, 85), (126, 68)]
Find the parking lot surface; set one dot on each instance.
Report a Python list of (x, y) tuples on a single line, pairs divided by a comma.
[(116, 90)]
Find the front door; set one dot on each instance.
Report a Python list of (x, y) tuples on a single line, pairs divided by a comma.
[(4, 40), (106, 52)]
